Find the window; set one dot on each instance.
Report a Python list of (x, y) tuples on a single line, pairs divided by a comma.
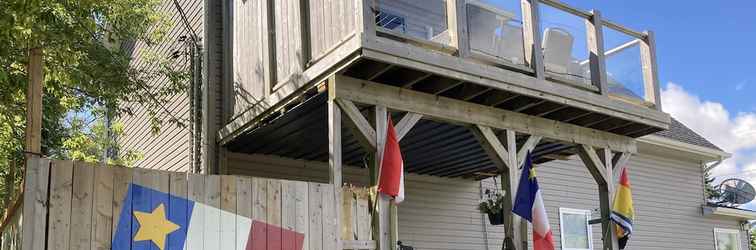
[(727, 239), (576, 232)]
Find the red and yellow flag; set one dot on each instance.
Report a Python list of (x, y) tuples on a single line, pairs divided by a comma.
[(622, 210)]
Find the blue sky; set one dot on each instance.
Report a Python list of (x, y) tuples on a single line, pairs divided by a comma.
[(708, 47), (705, 52)]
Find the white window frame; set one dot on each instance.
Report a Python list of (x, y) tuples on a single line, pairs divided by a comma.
[(587, 214), (727, 230)]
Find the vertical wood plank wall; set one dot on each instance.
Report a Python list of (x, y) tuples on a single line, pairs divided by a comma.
[(85, 202), (300, 41)]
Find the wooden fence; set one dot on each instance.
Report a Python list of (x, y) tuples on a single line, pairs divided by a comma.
[(75, 205)]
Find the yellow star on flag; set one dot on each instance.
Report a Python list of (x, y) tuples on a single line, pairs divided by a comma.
[(154, 226), (532, 174)]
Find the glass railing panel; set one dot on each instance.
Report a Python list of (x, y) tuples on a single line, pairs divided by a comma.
[(422, 20), (624, 68), (564, 44), (495, 29)]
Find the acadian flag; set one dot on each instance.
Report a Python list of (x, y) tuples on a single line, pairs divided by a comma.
[(529, 205), (622, 210), (391, 181), (151, 219)]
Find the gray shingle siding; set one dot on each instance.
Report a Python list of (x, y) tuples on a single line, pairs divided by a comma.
[(441, 213)]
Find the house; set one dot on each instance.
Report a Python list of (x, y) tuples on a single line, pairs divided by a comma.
[(298, 89)]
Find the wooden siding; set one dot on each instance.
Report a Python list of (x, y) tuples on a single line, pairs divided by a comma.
[(251, 72), (289, 55), (254, 76), (170, 148), (441, 213), (331, 23)]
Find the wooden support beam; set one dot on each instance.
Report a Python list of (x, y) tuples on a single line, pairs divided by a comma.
[(532, 37), (593, 162), (362, 130), (405, 125), (602, 176), (504, 158), (381, 220), (619, 164), (491, 144), (461, 112), (597, 59), (529, 145)]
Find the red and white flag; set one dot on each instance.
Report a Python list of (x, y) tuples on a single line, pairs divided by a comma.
[(391, 180)]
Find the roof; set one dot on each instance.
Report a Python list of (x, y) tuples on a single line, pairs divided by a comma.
[(679, 132)]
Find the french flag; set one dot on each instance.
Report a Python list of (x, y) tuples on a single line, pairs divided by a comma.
[(529, 205), (151, 219), (391, 181)]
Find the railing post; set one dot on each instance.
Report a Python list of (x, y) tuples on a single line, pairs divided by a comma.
[(531, 34), (595, 38), (650, 70), (367, 19), (457, 23)]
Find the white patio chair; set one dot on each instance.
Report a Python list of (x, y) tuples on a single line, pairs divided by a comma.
[(557, 50)]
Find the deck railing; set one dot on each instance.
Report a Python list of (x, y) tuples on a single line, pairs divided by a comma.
[(545, 38)]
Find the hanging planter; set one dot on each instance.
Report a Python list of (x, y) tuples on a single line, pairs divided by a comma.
[(493, 205), (496, 218)]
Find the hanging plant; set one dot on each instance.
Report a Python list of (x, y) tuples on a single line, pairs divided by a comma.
[(493, 205)]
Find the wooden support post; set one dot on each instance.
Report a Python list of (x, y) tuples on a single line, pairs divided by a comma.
[(602, 175), (531, 34), (597, 58), (505, 159), (650, 70), (34, 102), (334, 156), (381, 221)]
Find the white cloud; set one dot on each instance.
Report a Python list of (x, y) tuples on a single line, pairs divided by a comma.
[(735, 134)]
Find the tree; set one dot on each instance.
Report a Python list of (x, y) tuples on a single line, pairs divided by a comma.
[(711, 193), (87, 71)]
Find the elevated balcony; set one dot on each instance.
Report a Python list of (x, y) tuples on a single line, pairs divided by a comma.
[(541, 58)]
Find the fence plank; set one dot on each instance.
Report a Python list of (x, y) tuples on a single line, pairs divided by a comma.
[(244, 191), (316, 216), (228, 212), (330, 227), (363, 219), (260, 211), (61, 185), (196, 192), (274, 214), (102, 220), (35, 203), (347, 215), (212, 216), (121, 181), (301, 194), (179, 187), (81, 203), (288, 213)]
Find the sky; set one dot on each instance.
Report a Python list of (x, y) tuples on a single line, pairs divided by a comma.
[(706, 52)]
